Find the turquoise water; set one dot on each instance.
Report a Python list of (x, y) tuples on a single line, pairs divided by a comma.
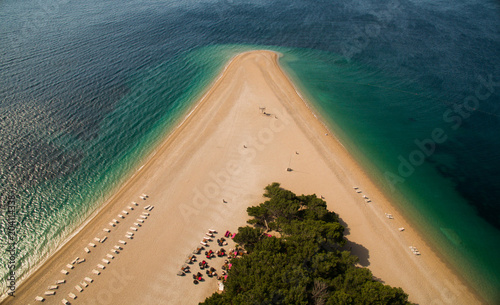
[(54, 208), (350, 105), (89, 88)]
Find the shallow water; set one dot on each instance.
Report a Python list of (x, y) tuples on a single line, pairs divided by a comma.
[(88, 88)]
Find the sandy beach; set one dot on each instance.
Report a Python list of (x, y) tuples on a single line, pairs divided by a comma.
[(244, 133)]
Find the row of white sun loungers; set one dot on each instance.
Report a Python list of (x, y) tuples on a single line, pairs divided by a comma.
[(208, 236), (358, 190), (51, 289), (414, 250), (401, 229), (210, 233)]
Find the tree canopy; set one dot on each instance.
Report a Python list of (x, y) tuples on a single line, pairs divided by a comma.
[(302, 261)]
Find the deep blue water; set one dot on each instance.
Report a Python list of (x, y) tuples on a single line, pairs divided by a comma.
[(88, 87)]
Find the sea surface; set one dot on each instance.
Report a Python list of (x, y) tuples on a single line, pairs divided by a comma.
[(411, 88)]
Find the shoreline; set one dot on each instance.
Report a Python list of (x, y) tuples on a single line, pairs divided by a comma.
[(298, 118), (127, 179), (389, 198)]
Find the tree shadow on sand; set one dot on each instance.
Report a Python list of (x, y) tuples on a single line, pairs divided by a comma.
[(356, 249)]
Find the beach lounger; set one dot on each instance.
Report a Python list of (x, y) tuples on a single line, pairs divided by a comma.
[(145, 213), (65, 302), (150, 208), (140, 220), (112, 224), (121, 216), (129, 237), (130, 208), (79, 288), (358, 191), (64, 271), (118, 248), (144, 217), (53, 287), (115, 221), (203, 243), (106, 230), (92, 245), (105, 261), (59, 282), (75, 260), (142, 197), (212, 231), (145, 195), (130, 233), (95, 272), (124, 212), (207, 238), (209, 234), (147, 207), (414, 250), (109, 256), (50, 293), (115, 251), (101, 266), (133, 228), (137, 224), (70, 266), (84, 284), (401, 229), (135, 203), (97, 239), (104, 239), (180, 273), (39, 299), (80, 261), (72, 295), (86, 250), (122, 242), (88, 279)]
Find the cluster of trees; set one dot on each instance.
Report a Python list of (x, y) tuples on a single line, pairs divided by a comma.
[(302, 262)]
